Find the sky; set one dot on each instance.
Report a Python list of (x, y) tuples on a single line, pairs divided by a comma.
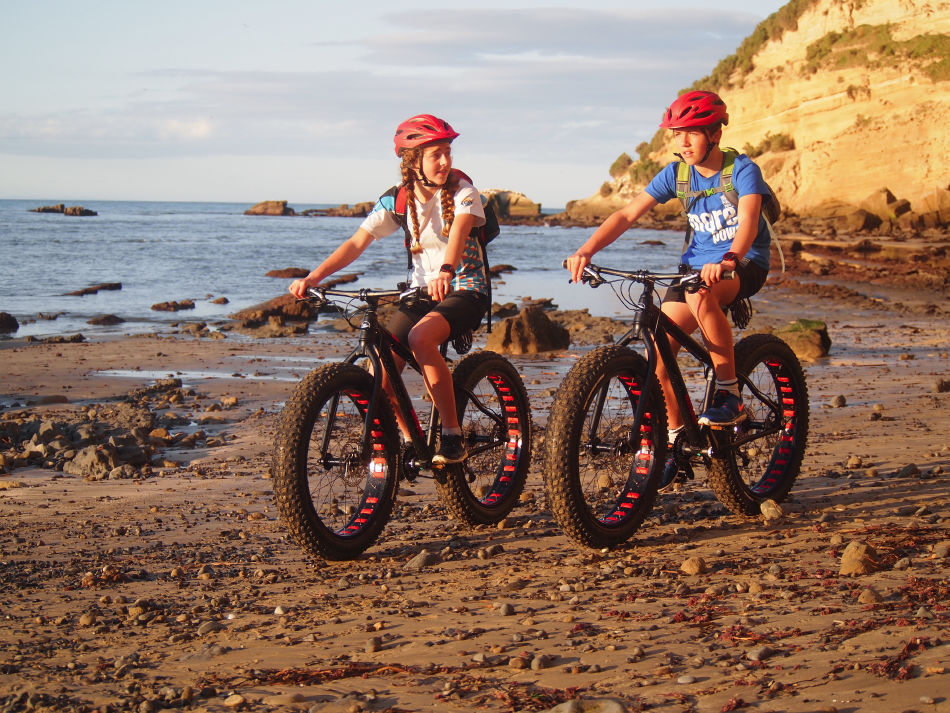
[(227, 100)]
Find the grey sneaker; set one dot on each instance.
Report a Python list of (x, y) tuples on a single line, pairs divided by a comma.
[(451, 450)]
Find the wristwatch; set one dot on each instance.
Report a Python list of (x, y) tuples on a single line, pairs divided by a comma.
[(731, 256), (448, 268)]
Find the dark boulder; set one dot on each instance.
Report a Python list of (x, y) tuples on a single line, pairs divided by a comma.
[(93, 289), (532, 331), (106, 320), (288, 273), (8, 323)]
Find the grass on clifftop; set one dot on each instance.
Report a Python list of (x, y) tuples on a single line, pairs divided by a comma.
[(873, 47), (783, 20)]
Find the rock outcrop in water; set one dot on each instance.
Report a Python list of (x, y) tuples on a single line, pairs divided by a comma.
[(270, 208), (74, 210)]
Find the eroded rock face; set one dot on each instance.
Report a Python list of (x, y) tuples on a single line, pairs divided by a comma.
[(511, 204), (850, 129)]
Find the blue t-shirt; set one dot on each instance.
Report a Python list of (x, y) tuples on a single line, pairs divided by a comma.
[(714, 219)]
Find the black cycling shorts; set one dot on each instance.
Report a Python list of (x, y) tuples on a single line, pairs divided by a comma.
[(750, 275), (463, 310)]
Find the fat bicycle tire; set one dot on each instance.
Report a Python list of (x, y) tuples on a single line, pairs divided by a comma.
[(496, 430), (335, 503), (762, 455), (602, 485)]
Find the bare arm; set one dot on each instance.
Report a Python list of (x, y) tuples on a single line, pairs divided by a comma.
[(461, 227), (347, 252), (750, 206), (616, 225)]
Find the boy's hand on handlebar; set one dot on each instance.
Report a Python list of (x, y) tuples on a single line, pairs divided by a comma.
[(713, 272), (575, 264)]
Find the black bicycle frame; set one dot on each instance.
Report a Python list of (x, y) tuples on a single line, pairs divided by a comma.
[(378, 345), (652, 327)]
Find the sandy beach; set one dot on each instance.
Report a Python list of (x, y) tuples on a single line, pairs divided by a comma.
[(181, 589)]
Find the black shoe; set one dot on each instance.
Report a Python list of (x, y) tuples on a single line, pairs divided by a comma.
[(451, 450), (673, 474)]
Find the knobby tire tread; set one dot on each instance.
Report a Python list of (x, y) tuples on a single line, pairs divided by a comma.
[(725, 474), (454, 490), (562, 437), (297, 421)]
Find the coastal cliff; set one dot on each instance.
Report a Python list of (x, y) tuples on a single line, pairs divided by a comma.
[(837, 100)]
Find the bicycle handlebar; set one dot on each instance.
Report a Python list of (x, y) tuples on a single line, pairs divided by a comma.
[(319, 294), (593, 275)]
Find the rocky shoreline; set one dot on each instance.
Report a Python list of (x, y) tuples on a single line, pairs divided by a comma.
[(172, 585)]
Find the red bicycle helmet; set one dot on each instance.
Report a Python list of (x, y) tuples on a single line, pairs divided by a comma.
[(695, 109), (422, 129)]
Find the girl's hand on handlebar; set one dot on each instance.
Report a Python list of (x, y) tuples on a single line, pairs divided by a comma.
[(298, 288), (575, 264), (440, 286)]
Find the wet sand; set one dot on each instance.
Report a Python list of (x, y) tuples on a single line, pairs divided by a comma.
[(182, 589)]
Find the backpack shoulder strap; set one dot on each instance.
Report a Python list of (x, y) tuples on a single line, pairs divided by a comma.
[(397, 197), (682, 184), (725, 175)]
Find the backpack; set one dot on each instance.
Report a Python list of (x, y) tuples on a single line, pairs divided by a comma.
[(771, 208), (483, 233)]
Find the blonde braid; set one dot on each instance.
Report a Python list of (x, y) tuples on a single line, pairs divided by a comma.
[(448, 203), (410, 160)]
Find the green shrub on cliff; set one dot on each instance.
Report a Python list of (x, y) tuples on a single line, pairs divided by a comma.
[(771, 142), (873, 46), (771, 28), (643, 170), (620, 166)]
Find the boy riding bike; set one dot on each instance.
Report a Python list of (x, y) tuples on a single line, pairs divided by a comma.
[(721, 237)]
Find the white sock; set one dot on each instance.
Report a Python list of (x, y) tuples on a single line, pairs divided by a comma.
[(730, 385), (451, 431), (672, 433)]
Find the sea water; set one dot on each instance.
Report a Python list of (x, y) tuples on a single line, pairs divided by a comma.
[(162, 252)]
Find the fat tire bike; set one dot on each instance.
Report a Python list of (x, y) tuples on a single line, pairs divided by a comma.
[(338, 455), (606, 438)]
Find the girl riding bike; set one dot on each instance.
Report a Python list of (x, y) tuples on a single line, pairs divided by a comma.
[(442, 207), (720, 238)]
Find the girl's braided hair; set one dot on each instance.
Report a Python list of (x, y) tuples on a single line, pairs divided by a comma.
[(411, 162)]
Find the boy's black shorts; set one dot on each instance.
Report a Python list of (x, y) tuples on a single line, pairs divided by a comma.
[(750, 275), (463, 310)]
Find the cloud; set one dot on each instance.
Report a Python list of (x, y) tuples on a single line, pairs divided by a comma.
[(535, 86)]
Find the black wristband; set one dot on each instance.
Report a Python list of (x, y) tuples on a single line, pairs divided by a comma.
[(447, 268), (732, 257)]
